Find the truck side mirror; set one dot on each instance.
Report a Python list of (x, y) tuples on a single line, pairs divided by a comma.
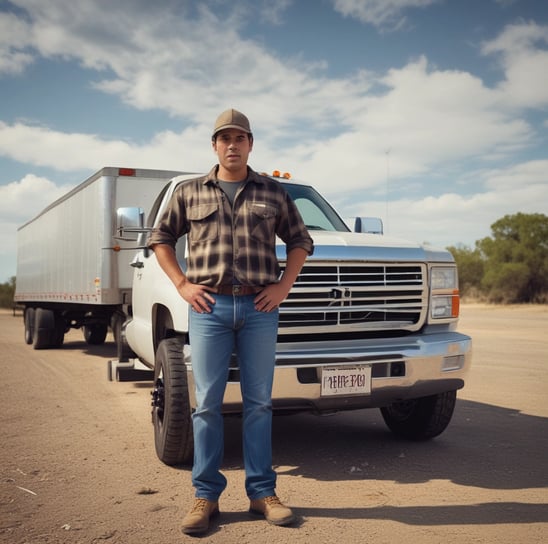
[(129, 224), (371, 225)]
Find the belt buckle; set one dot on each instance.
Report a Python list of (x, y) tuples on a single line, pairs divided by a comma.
[(236, 289)]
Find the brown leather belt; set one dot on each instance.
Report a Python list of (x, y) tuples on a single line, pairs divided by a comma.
[(238, 290)]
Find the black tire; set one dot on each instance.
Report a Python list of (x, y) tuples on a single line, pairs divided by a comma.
[(29, 317), (422, 418), (95, 334), (58, 332), (44, 326), (171, 412)]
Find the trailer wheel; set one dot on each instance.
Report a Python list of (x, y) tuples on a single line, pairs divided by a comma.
[(96, 333), (29, 318), (58, 332), (171, 413), (422, 418), (44, 325)]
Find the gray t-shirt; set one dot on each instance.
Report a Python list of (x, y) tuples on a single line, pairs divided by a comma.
[(230, 188)]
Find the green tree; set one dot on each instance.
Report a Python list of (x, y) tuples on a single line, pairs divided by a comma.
[(516, 259), (7, 290)]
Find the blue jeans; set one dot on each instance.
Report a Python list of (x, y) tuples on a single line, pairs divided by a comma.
[(233, 326)]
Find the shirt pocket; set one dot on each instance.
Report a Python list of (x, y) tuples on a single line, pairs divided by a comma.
[(262, 219), (204, 223)]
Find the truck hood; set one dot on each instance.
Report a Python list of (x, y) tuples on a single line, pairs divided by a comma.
[(369, 247)]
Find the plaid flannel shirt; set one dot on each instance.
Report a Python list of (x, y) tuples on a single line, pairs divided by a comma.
[(232, 244)]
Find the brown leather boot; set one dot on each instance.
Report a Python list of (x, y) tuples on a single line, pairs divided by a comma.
[(273, 510), (197, 520)]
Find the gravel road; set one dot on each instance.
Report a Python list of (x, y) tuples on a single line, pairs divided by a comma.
[(77, 460)]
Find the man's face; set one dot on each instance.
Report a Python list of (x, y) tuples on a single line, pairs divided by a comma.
[(233, 147)]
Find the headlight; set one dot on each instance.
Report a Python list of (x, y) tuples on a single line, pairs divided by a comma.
[(444, 306), (444, 292), (444, 278)]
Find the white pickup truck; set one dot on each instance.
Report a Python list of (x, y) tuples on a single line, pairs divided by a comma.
[(370, 323)]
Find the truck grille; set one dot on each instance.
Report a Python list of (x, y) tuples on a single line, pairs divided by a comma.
[(335, 298)]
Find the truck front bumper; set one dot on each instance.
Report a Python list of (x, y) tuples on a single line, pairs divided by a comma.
[(401, 369)]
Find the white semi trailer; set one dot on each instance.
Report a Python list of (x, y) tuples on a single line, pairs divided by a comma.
[(73, 271)]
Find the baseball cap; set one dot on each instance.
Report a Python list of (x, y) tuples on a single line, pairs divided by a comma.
[(232, 119)]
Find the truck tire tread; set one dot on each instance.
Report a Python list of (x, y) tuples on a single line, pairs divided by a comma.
[(171, 413)]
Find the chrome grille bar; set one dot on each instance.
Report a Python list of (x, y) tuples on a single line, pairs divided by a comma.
[(334, 297)]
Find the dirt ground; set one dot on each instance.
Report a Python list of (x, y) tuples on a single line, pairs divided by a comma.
[(77, 460)]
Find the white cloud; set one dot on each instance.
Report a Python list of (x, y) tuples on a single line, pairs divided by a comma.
[(272, 10), (179, 74), (66, 152), (21, 200), (14, 32), (167, 57), (520, 176), (425, 120), (523, 53), (420, 106), (417, 113), (450, 219), (380, 13)]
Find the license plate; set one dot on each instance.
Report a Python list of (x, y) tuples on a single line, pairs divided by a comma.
[(346, 380)]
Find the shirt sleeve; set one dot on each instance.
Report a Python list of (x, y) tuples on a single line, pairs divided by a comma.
[(173, 223), (291, 227)]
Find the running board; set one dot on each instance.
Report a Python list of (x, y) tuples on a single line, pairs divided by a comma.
[(129, 371)]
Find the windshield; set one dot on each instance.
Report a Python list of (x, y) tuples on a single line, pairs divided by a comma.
[(317, 213)]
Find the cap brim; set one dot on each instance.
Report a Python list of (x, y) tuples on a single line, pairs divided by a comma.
[(237, 127)]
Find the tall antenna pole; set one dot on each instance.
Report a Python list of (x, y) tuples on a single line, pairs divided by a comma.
[(387, 153)]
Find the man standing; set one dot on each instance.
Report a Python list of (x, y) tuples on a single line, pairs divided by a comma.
[(233, 286)]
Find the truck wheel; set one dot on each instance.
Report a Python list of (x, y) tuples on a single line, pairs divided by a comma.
[(95, 334), (29, 318), (44, 325), (420, 419), (171, 413)]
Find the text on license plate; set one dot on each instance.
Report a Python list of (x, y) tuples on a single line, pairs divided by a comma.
[(346, 380)]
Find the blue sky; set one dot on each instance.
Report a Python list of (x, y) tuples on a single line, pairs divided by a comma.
[(431, 114)]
